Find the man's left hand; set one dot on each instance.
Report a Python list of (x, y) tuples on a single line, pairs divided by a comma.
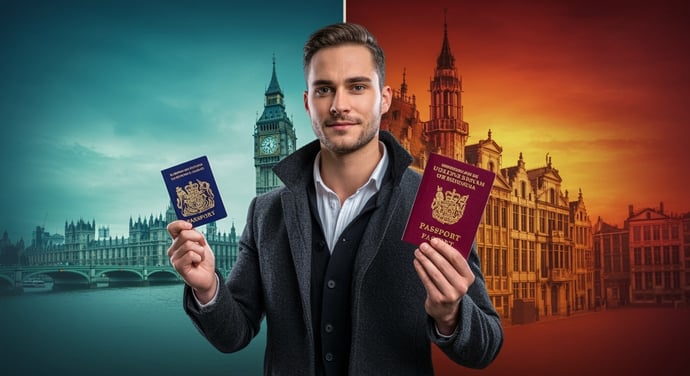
[(446, 277)]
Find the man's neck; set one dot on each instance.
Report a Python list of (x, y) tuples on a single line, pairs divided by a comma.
[(345, 173)]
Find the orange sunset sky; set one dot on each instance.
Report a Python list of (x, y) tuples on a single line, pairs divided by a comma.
[(601, 86)]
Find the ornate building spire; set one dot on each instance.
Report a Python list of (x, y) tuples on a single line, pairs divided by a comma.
[(403, 86), (446, 130), (445, 60), (273, 86)]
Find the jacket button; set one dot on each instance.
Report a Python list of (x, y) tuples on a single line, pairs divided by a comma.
[(329, 328), (330, 284), (329, 357)]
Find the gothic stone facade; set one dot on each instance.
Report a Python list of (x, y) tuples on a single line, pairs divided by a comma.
[(534, 242)]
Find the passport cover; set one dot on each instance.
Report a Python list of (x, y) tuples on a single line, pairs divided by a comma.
[(193, 192), (449, 204)]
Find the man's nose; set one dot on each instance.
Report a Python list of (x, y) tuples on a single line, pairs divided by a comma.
[(341, 103)]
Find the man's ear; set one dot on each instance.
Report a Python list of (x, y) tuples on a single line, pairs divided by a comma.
[(386, 97), (306, 101)]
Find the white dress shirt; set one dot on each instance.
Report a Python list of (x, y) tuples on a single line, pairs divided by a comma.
[(334, 217)]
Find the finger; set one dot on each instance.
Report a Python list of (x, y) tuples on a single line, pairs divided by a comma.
[(174, 228), (190, 246), (436, 297), (435, 275), (429, 285), (440, 261), (185, 236), (453, 257), (181, 260), (457, 276)]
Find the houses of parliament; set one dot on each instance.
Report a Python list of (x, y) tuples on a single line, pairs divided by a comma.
[(540, 252)]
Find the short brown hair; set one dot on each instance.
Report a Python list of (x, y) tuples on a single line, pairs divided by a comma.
[(341, 34)]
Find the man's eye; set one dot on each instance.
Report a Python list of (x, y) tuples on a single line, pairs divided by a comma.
[(358, 87), (323, 90)]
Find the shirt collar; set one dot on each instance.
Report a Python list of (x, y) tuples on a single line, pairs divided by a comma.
[(376, 176)]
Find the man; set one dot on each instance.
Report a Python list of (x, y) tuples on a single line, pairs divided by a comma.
[(322, 257)]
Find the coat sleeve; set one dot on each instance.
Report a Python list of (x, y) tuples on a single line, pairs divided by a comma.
[(479, 336), (234, 319)]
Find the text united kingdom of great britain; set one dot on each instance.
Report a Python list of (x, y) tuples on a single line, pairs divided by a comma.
[(449, 203)]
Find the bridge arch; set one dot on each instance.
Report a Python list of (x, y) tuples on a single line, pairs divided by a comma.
[(5, 278), (120, 271), (64, 277)]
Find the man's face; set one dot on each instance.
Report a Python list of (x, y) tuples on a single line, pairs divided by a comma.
[(343, 98)]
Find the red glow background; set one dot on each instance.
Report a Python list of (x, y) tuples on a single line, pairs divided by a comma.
[(601, 86)]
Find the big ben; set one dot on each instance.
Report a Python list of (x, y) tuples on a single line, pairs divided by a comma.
[(274, 136)]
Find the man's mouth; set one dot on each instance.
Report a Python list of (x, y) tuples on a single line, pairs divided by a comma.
[(341, 123)]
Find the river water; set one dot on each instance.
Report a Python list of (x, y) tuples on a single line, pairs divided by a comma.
[(112, 331)]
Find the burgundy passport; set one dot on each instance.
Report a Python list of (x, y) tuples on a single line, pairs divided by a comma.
[(450, 203)]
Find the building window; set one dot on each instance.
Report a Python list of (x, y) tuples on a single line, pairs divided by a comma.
[(667, 255), (532, 257), (648, 281), (489, 261), (487, 211), (523, 256), (516, 254), (531, 221), (657, 255), (496, 205), (542, 221), (637, 256), (504, 215), (497, 262), (674, 232), (516, 214), (504, 267), (675, 255)]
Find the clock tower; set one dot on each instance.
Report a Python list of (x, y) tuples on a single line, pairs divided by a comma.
[(274, 136)]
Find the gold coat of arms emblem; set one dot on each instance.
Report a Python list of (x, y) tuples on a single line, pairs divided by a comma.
[(196, 197), (449, 206)]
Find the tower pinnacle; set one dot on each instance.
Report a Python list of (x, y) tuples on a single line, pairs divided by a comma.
[(445, 60)]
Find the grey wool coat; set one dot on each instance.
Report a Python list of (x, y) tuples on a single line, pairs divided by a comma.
[(391, 332)]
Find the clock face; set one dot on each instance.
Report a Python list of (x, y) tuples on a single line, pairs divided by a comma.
[(269, 145)]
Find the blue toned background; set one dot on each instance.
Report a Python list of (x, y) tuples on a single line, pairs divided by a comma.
[(112, 332), (97, 97)]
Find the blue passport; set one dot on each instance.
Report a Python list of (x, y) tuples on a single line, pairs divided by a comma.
[(193, 192)]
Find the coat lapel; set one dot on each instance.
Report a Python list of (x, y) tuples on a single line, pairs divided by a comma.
[(298, 225), (372, 239)]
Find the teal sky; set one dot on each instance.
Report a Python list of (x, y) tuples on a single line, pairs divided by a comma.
[(99, 96)]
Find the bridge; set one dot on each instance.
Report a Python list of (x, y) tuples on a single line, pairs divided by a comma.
[(87, 276)]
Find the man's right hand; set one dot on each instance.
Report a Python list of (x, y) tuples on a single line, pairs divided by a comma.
[(193, 259)]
